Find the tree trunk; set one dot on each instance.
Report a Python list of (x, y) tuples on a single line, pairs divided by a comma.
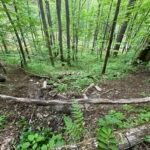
[(68, 30), (45, 28), (23, 61), (58, 8), (123, 28), (111, 35), (106, 28), (50, 23), (20, 28), (32, 28), (96, 28), (4, 45)]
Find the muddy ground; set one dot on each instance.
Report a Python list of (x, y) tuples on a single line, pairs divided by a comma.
[(21, 84)]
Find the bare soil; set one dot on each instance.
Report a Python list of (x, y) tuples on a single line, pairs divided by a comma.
[(20, 84)]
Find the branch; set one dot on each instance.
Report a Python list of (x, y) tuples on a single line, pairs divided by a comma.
[(69, 102)]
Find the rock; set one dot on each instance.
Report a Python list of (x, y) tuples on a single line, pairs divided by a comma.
[(2, 78)]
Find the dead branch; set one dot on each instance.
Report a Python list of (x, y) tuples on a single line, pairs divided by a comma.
[(69, 102)]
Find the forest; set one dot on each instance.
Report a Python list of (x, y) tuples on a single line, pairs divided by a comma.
[(74, 74)]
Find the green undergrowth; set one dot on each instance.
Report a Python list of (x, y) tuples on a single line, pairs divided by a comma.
[(75, 129), (3, 119), (80, 74)]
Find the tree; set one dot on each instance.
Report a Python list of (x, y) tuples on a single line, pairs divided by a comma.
[(123, 27), (23, 59), (97, 26), (20, 28), (46, 31), (58, 8), (111, 36), (68, 30), (106, 28), (50, 23)]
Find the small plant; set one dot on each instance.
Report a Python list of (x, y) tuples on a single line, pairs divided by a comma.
[(39, 140), (62, 87), (128, 108), (106, 139), (2, 120), (144, 117), (75, 128), (113, 119), (147, 139), (22, 122)]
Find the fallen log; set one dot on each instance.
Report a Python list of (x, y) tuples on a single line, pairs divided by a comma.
[(69, 102), (126, 138)]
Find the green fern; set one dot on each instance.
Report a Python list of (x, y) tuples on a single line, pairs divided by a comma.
[(106, 139), (75, 128)]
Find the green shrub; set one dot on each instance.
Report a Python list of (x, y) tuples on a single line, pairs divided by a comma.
[(39, 140)]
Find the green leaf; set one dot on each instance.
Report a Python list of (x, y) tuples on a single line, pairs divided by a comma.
[(40, 138), (147, 139), (44, 147), (34, 146), (31, 137), (25, 145)]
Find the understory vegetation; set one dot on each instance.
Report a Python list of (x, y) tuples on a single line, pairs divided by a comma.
[(81, 74), (75, 129), (55, 50)]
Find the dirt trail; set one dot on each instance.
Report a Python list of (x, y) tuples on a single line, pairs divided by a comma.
[(20, 84)]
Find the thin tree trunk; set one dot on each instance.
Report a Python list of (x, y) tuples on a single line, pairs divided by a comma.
[(33, 34), (68, 30), (111, 35), (5, 45), (106, 28), (97, 27), (58, 8), (123, 28), (21, 32), (23, 61), (46, 31), (50, 23)]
